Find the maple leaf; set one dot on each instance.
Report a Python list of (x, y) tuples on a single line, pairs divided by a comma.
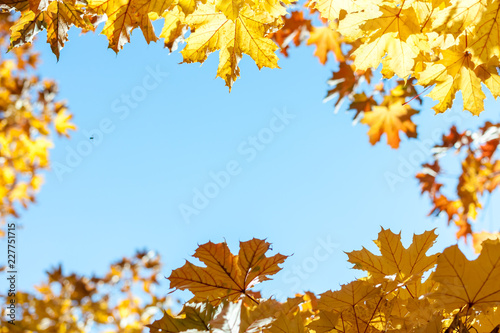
[(454, 72), (468, 284), (427, 178), (405, 264), (59, 17), (391, 117), (391, 33), (226, 276), (62, 122), (247, 34), (25, 29), (295, 28), (123, 16), (326, 40)]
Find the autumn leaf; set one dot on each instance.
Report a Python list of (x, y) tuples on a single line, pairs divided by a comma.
[(403, 264), (454, 72), (62, 122), (427, 178), (468, 284), (391, 33), (295, 29), (125, 16), (326, 40), (226, 276), (391, 117), (247, 34), (59, 17)]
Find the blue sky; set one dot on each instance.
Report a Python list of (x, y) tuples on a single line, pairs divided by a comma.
[(315, 188)]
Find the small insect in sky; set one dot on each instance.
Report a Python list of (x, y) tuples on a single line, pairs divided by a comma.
[(91, 138)]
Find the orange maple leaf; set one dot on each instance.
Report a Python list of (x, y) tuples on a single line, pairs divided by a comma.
[(226, 276), (294, 30), (427, 178), (326, 40), (391, 117)]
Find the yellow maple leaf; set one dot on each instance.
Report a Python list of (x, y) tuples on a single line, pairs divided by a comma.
[(62, 122), (326, 40), (468, 284), (392, 33), (59, 17), (123, 16), (454, 72), (395, 260), (245, 35)]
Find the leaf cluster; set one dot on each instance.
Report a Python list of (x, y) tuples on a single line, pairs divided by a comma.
[(29, 112), (123, 300), (397, 295), (480, 176)]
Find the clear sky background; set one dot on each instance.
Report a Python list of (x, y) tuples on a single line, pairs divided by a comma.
[(317, 181)]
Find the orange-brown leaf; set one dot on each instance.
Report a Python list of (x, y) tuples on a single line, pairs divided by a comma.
[(226, 276)]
